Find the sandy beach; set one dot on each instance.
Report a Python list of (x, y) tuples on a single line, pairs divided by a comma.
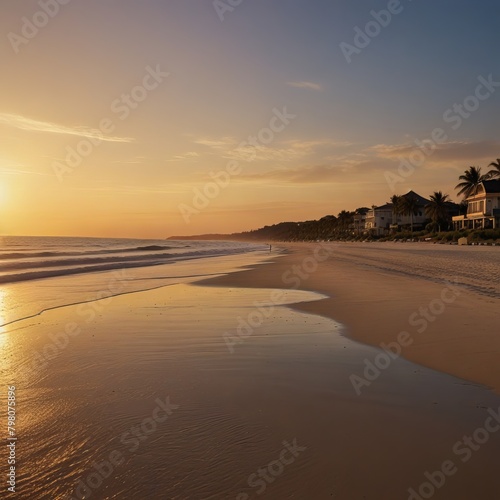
[(250, 384), (378, 290), (249, 250)]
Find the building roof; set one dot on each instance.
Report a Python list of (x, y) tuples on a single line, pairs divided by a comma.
[(387, 206), (421, 200), (492, 186)]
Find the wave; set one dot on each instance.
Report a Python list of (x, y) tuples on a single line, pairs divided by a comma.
[(27, 255), (47, 269), (19, 265), (35, 275)]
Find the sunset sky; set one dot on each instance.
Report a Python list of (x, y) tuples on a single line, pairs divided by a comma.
[(353, 121)]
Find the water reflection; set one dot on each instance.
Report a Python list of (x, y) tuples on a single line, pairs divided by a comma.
[(3, 320)]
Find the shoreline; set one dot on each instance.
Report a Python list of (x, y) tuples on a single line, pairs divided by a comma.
[(89, 287), (452, 334), (106, 367)]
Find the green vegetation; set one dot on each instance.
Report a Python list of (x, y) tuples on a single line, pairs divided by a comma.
[(331, 228), (437, 209), (470, 180), (494, 173), (349, 226)]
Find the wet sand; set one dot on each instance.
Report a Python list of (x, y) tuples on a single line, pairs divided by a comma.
[(378, 290), (171, 393), (445, 299)]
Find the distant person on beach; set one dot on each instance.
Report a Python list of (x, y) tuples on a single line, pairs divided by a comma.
[(270, 248)]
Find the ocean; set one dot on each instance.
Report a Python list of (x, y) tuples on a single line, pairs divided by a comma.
[(31, 258), (40, 273)]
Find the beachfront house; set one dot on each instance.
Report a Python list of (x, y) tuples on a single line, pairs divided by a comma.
[(359, 220), (381, 220), (420, 219), (483, 208)]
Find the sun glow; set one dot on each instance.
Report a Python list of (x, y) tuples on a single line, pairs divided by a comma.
[(3, 194)]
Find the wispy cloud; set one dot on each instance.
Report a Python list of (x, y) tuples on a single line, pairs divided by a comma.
[(343, 171), (190, 155), (28, 124), (170, 189), (17, 171), (305, 85), (223, 143), (137, 160), (280, 151), (450, 153)]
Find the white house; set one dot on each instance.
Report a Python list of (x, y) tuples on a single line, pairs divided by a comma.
[(359, 221), (483, 208), (380, 220)]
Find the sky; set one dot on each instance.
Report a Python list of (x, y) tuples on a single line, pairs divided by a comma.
[(154, 118)]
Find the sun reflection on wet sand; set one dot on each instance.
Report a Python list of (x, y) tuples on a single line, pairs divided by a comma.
[(6, 345), (3, 320), (5, 303), (3, 337)]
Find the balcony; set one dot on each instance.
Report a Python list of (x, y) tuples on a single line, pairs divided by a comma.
[(480, 213)]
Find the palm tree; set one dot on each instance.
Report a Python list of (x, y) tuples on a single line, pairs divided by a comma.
[(494, 173), (470, 181), (437, 209), (396, 201), (462, 208), (409, 206), (344, 218)]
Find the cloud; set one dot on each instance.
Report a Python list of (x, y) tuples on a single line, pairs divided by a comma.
[(313, 145), (277, 151), (30, 125), (305, 85), (170, 189), (190, 155), (453, 154), (229, 148), (354, 169), (223, 143), (16, 171)]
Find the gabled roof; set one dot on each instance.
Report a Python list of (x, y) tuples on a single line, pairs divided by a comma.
[(485, 187), (492, 186)]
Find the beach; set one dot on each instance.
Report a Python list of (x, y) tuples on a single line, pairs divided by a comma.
[(253, 383), (377, 290), (240, 260)]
